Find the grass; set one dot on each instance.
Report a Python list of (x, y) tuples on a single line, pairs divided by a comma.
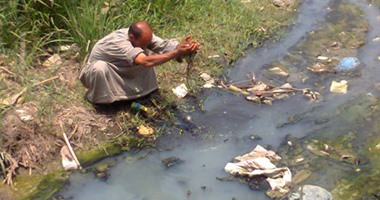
[(33, 30)]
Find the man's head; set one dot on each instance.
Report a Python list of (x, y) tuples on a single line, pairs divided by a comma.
[(140, 34)]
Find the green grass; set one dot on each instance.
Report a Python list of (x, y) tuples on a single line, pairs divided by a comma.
[(32, 30)]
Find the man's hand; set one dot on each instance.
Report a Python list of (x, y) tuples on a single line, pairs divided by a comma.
[(188, 46)]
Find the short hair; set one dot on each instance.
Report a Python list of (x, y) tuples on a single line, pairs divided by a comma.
[(135, 30)]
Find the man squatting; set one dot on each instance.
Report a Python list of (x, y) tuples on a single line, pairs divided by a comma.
[(121, 65)]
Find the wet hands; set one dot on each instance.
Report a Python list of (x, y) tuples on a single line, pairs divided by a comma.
[(188, 46)]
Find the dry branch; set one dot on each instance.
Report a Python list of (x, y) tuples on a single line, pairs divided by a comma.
[(69, 146)]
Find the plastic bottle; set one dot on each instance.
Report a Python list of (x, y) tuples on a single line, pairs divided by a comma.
[(138, 106), (146, 110)]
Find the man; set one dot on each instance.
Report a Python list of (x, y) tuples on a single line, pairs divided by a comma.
[(120, 66)]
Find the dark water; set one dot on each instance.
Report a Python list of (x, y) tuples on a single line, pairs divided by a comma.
[(228, 121)]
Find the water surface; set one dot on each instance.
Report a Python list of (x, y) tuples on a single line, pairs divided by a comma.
[(228, 121)]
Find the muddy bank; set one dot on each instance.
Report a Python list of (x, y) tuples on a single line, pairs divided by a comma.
[(327, 143), (40, 98)]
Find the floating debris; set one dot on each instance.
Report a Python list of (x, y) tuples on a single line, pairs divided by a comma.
[(279, 71), (347, 63), (324, 58), (258, 163), (339, 87), (260, 92), (171, 161), (255, 137), (101, 170), (376, 39), (236, 89), (318, 67)]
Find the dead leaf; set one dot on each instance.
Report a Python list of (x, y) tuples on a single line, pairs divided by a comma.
[(318, 67)]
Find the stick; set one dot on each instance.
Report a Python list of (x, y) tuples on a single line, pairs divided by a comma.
[(7, 70), (44, 81), (271, 92), (72, 132), (70, 148), (15, 97), (236, 89)]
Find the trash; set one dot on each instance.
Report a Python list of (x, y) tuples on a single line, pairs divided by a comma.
[(68, 151), (214, 56), (259, 163), (279, 71), (260, 86), (53, 60), (145, 131), (314, 96), (68, 161), (149, 112), (138, 106), (180, 91), (268, 101), (254, 98), (339, 87), (205, 77), (347, 63), (65, 48), (24, 115), (171, 161), (286, 86), (236, 89), (209, 81), (259, 92), (376, 39), (318, 67), (322, 58)]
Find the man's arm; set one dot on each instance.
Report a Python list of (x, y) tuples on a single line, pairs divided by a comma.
[(160, 46), (158, 59)]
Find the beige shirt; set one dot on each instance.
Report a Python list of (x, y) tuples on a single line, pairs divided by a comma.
[(119, 78)]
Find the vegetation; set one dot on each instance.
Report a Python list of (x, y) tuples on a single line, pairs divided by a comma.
[(33, 30)]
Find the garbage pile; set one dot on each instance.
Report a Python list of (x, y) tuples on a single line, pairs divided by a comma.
[(260, 92), (258, 163)]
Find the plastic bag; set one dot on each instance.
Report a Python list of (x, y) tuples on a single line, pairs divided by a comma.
[(347, 63)]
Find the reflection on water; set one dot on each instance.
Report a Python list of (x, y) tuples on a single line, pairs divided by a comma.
[(229, 121)]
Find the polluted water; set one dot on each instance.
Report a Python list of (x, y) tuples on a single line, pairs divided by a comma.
[(230, 125)]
